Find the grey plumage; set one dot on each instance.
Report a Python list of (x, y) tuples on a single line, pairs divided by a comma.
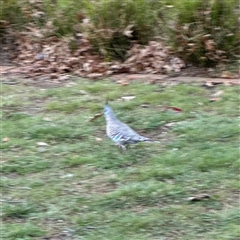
[(120, 132)]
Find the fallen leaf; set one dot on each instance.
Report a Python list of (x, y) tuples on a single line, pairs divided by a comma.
[(174, 109), (6, 139), (69, 175), (70, 84), (42, 144), (227, 83), (95, 117), (215, 99), (4, 23), (233, 83), (128, 98), (212, 83), (128, 31), (47, 119), (217, 82), (199, 197), (53, 75), (169, 125), (145, 106), (94, 75), (98, 139), (63, 78), (40, 53), (227, 74), (218, 93), (83, 92), (123, 82), (210, 44), (87, 67), (208, 84)]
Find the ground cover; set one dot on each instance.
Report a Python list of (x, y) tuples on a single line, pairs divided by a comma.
[(63, 179)]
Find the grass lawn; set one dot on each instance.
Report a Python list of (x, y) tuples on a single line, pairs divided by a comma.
[(81, 186)]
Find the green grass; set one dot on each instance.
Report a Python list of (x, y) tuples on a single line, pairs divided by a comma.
[(78, 187)]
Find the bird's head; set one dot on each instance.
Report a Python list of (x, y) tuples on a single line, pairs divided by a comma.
[(107, 109), (108, 112)]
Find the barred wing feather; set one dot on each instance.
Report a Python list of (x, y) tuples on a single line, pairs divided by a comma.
[(120, 132)]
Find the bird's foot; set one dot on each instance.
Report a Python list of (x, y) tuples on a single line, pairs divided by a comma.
[(122, 147)]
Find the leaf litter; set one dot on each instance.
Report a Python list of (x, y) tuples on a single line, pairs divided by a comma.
[(37, 53)]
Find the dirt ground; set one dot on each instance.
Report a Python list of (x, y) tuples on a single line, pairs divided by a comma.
[(13, 75)]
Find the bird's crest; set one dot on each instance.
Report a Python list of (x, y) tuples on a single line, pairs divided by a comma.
[(107, 109), (106, 101)]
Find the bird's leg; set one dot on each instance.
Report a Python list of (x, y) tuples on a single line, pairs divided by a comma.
[(123, 147), (119, 145)]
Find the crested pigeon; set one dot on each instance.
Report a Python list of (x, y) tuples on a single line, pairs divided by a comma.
[(120, 132)]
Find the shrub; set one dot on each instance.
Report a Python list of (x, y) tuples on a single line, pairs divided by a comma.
[(114, 24), (64, 15), (206, 32), (10, 13)]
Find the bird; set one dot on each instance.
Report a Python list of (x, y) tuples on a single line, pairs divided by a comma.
[(119, 132)]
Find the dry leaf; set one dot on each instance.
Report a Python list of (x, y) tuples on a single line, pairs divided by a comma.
[(174, 109), (218, 93), (47, 119), (87, 67), (210, 44), (227, 84), (83, 92), (95, 117), (227, 74), (169, 125), (43, 55), (98, 139), (212, 83), (128, 98), (145, 106), (199, 197), (128, 31), (215, 99), (232, 82), (63, 78), (123, 82), (217, 82), (94, 75), (4, 23), (42, 144), (208, 84)]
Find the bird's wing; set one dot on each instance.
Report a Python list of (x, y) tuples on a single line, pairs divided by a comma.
[(128, 134)]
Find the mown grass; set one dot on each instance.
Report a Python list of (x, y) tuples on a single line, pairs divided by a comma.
[(81, 186)]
